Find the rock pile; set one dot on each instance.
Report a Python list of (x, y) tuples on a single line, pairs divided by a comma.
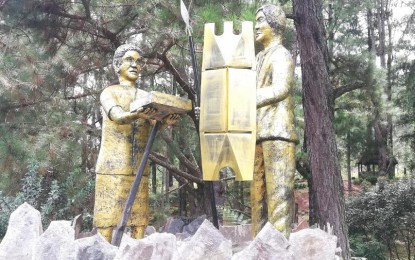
[(25, 239)]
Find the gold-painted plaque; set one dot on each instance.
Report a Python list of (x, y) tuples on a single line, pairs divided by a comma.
[(228, 102)]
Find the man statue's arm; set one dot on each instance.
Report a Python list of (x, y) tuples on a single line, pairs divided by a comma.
[(282, 82)]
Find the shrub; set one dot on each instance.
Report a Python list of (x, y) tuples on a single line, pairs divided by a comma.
[(372, 179), (383, 220), (367, 247), (54, 199)]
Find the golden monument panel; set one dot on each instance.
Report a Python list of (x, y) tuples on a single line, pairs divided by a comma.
[(228, 102), (241, 100), (227, 150), (214, 101), (228, 49)]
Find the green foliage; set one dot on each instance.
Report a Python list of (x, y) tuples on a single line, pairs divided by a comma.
[(162, 207), (365, 185), (160, 213), (210, 13), (31, 187), (52, 203), (233, 217), (235, 209), (367, 247), (372, 179), (357, 181), (359, 112), (406, 118), (383, 219), (300, 185), (56, 200), (7, 206)]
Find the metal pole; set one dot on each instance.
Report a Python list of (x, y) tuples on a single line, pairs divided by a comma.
[(195, 72), (213, 206), (119, 231)]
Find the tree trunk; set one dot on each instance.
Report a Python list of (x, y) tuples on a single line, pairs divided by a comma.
[(330, 30), (182, 203), (389, 80), (202, 200), (166, 177), (318, 116), (313, 203), (380, 141), (383, 18), (154, 178), (349, 170), (381, 29), (163, 185), (182, 194), (391, 167), (380, 135), (303, 167), (370, 38)]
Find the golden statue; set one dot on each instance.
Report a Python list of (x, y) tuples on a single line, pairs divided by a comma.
[(124, 136), (272, 194)]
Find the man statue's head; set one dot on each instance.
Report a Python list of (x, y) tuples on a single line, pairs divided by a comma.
[(270, 19), (126, 62)]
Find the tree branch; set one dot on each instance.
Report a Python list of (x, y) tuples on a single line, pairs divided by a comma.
[(168, 44), (126, 23), (168, 65), (303, 168), (28, 103), (81, 95), (178, 188), (291, 16), (22, 105), (161, 160), (86, 3), (51, 8), (182, 158), (3, 4), (179, 79), (339, 91)]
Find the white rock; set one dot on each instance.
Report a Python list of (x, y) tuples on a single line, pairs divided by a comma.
[(240, 235), (149, 231), (58, 234), (313, 244), (25, 227), (193, 226), (158, 246), (89, 248), (207, 243), (173, 226), (269, 244)]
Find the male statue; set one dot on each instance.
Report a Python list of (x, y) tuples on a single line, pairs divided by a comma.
[(124, 136), (273, 181)]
